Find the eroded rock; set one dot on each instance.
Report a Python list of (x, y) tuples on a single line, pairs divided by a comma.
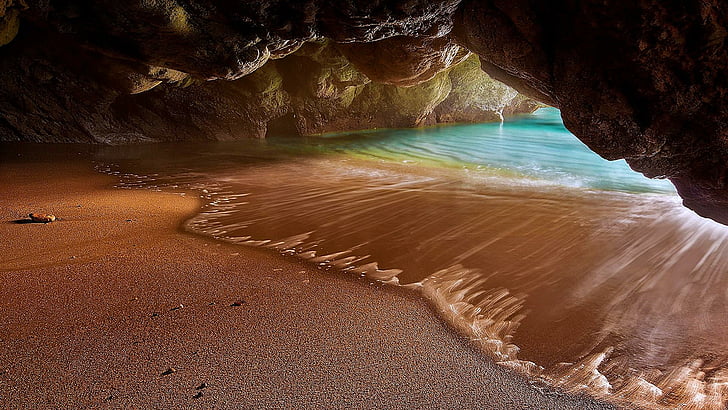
[(642, 81), (475, 96), (403, 61), (47, 97)]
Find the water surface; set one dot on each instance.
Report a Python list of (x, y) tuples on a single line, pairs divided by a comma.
[(557, 263)]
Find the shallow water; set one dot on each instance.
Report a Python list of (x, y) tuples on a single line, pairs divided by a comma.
[(572, 269)]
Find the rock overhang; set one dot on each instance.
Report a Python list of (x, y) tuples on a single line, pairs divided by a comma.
[(643, 81)]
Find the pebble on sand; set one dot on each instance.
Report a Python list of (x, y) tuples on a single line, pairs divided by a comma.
[(42, 218), (169, 371)]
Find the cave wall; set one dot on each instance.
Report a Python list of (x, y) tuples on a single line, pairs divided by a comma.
[(47, 97), (645, 80)]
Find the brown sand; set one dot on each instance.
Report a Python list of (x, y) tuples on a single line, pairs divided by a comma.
[(96, 306)]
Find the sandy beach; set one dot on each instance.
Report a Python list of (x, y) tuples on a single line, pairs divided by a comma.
[(115, 306)]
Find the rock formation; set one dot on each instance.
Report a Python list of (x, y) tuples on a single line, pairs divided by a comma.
[(644, 81), (92, 98)]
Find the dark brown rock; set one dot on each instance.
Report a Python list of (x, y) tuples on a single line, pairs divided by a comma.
[(403, 61), (51, 96), (641, 81), (372, 20), (170, 370), (9, 20), (227, 39)]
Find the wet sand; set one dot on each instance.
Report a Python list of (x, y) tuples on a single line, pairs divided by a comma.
[(94, 308)]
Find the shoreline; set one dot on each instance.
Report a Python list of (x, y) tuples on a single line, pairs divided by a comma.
[(97, 306)]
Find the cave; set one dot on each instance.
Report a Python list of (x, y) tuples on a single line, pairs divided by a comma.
[(643, 82)]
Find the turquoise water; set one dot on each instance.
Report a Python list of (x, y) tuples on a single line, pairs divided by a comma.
[(536, 146)]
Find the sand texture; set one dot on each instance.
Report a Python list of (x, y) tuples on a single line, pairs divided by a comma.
[(96, 307)]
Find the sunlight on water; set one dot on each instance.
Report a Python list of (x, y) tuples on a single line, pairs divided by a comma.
[(587, 277)]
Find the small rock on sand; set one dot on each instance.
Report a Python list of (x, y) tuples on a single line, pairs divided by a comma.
[(42, 218), (169, 371)]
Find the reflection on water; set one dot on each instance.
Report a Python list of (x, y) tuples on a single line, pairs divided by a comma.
[(606, 285)]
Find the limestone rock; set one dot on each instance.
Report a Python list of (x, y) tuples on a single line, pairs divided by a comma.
[(403, 61), (475, 96)]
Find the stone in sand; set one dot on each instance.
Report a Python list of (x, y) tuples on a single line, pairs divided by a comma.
[(44, 218), (169, 371)]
